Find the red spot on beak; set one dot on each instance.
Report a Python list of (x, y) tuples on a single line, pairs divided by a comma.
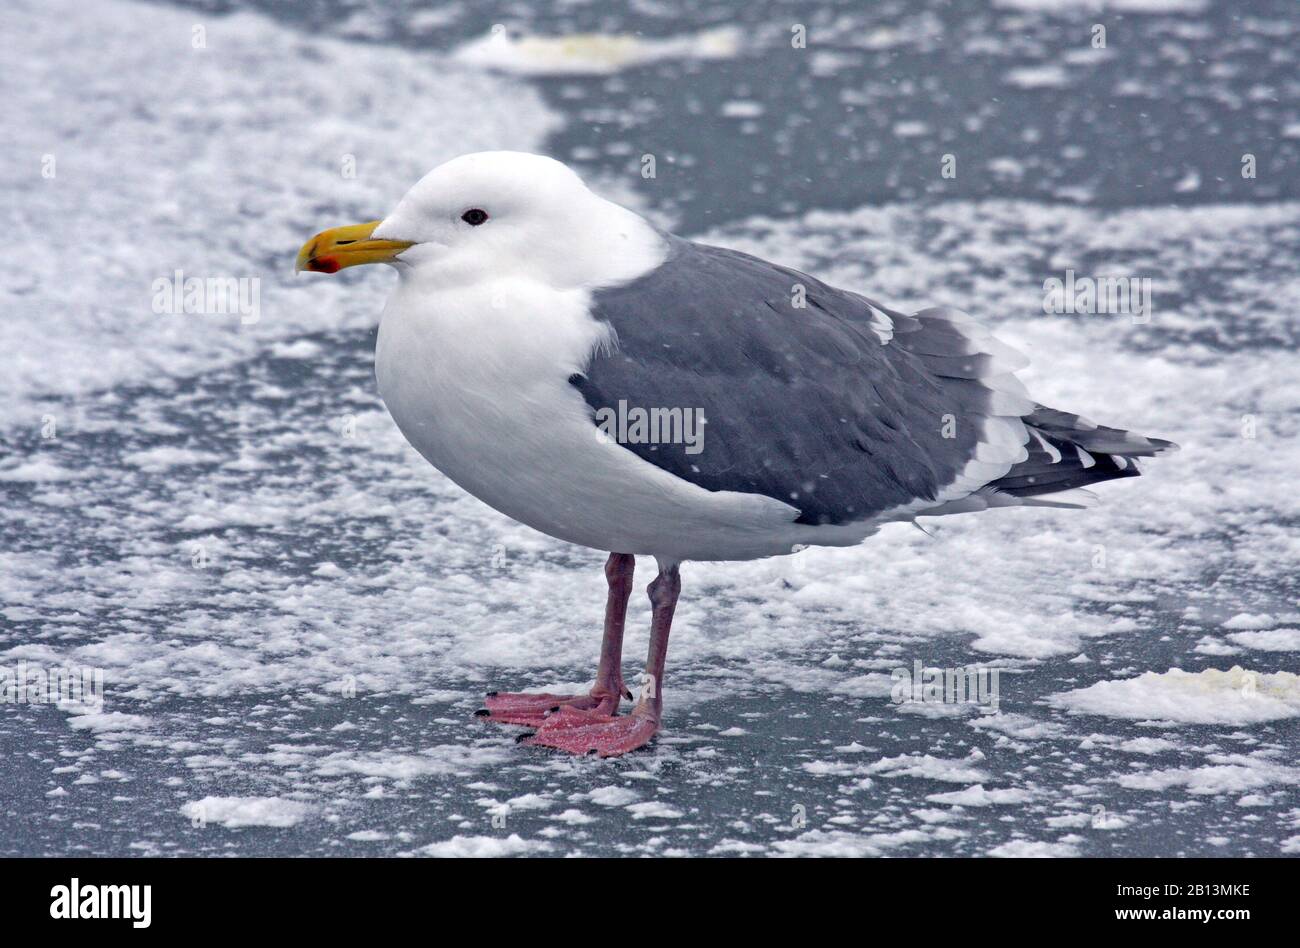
[(325, 265)]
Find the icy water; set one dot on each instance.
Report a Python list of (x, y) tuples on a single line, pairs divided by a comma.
[(296, 617)]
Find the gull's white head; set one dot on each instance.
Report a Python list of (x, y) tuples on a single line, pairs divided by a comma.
[(493, 213)]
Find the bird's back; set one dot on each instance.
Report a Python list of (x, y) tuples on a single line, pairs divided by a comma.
[(827, 401)]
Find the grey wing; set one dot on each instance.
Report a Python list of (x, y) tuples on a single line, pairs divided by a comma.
[(838, 407)]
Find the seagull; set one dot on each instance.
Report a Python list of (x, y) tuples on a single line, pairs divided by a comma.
[(605, 382)]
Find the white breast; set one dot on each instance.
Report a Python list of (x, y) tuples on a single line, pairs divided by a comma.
[(476, 378)]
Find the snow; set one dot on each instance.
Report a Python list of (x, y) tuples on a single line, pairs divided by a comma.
[(434, 761), (111, 722), (1270, 640), (573, 817), (484, 847), (1033, 849), (1236, 696), (1227, 774), (653, 809), (236, 812), (929, 768), (978, 796), (1038, 77), (839, 843), (42, 470), (367, 836), (163, 459), (742, 109), (613, 796), (530, 801), (1245, 620), (590, 54), (1148, 745)]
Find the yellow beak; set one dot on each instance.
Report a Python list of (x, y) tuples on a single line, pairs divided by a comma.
[(332, 250)]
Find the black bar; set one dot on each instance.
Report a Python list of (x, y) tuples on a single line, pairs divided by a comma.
[(213, 897)]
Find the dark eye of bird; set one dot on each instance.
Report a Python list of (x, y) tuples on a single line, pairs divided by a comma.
[(474, 216)]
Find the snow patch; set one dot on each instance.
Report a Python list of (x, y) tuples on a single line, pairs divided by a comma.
[(485, 847), (1211, 696), (235, 812)]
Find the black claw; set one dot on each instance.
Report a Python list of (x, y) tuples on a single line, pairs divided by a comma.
[(492, 694), (522, 737), (554, 709), (482, 713), (627, 694)]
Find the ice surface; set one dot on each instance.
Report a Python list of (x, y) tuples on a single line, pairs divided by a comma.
[(341, 565)]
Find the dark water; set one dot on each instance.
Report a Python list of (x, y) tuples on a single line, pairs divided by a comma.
[(1170, 100)]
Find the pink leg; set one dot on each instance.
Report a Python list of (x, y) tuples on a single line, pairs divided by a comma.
[(581, 732), (532, 709)]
